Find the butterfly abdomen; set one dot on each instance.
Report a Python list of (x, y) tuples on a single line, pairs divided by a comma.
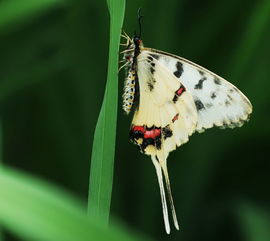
[(129, 91)]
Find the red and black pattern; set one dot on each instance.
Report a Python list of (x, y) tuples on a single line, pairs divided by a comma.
[(144, 136), (178, 93)]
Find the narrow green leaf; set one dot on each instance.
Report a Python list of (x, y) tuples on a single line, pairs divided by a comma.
[(102, 161), (15, 11), (35, 210)]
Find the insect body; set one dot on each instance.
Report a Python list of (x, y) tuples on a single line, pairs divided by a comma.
[(129, 91), (175, 98)]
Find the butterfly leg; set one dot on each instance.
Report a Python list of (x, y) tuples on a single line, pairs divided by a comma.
[(127, 41), (127, 50), (123, 66), (125, 44), (124, 35)]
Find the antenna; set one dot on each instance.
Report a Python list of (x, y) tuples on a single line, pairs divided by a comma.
[(140, 21)]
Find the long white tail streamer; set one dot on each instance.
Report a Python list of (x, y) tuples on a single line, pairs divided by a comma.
[(163, 165), (162, 194)]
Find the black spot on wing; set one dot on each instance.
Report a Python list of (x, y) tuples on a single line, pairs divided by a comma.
[(147, 142), (152, 67), (150, 86), (230, 98), (227, 103), (200, 83), (201, 72), (199, 105), (213, 95), (150, 58), (217, 81), (179, 69), (151, 81), (155, 56), (175, 98), (158, 143), (166, 132)]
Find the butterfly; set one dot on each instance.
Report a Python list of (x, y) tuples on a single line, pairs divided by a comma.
[(172, 98)]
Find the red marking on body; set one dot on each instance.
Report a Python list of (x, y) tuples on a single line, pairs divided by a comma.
[(175, 117), (180, 90), (152, 133)]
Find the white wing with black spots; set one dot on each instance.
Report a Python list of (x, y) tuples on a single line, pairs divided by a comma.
[(171, 98), (165, 118), (218, 102)]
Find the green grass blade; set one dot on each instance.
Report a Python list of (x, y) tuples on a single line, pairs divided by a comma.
[(35, 210), (102, 161)]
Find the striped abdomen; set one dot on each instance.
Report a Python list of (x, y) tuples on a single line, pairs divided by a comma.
[(129, 91)]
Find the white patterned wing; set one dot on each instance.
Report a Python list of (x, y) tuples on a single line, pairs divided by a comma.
[(165, 118), (161, 106), (176, 98), (218, 102)]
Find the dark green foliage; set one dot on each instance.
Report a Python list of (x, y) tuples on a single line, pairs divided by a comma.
[(53, 69)]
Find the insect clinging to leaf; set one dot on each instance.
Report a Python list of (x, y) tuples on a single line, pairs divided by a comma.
[(172, 98)]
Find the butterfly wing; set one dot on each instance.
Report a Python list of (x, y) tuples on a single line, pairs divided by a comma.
[(218, 102), (166, 115), (176, 97), (165, 118)]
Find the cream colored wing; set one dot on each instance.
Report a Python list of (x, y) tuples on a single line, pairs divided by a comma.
[(165, 107), (218, 102), (165, 118)]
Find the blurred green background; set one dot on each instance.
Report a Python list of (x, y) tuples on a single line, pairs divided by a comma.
[(53, 71)]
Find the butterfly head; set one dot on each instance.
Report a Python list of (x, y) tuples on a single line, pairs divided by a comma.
[(137, 42), (133, 48), (134, 45)]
